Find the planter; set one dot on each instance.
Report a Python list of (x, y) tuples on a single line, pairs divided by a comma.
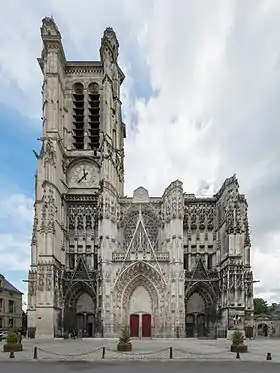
[(124, 347), (12, 347), (239, 348)]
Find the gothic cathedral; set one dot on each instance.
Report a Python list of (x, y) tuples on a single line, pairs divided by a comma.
[(169, 266)]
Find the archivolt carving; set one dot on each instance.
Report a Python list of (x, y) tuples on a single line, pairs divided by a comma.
[(133, 275), (140, 280), (138, 268), (73, 293), (205, 291)]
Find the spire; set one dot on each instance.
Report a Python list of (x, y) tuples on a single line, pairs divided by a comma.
[(109, 45), (49, 29)]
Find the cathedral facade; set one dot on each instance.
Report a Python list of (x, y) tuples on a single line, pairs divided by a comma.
[(169, 266)]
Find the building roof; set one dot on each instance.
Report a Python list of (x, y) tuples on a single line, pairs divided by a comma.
[(8, 286)]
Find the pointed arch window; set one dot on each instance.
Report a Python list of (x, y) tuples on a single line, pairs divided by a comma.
[(78, 116), (94, 115)]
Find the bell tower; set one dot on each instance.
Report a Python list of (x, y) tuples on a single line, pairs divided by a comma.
[(81, 159)]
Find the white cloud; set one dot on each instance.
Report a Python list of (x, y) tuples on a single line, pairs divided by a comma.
[(213, 73)]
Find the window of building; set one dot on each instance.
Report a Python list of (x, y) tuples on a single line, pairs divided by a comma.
[(71, 261), (94, 115), (11, 322), (11, 306), (1, 305), (78, 116), (186, 262), (95, 258), (210, 261)]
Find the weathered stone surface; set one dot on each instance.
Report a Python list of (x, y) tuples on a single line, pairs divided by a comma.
[(187, 258)]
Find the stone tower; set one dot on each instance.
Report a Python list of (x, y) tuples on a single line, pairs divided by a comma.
[(80, 172)]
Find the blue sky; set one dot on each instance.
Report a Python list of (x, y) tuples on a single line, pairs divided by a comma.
[(200, 100)]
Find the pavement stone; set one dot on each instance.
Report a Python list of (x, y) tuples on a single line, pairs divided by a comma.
[(152, 349), (137, 367)]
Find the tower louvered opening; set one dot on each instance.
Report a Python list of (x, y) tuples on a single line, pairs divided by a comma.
[(78, 116), (94, 115)]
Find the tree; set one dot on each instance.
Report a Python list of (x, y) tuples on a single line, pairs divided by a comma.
[(260, 306), (272, 308)]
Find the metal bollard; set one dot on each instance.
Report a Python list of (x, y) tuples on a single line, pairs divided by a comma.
[(170, 353), (237, 355), (103, 352), (268, 356), (35, 353), (12, 355)]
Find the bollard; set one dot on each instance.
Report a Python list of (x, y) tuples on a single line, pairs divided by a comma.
[(35, 353), (103, 352), (268, 356), (237, 355), (12, 355), (170, 353)]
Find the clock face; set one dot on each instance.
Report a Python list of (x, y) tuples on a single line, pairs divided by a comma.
[(83, 175)]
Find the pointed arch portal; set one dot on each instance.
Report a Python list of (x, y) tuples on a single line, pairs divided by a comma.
[(200, 303), (80, 310), (138, 291)]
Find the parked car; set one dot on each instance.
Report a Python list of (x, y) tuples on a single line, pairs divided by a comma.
[(3, 335)]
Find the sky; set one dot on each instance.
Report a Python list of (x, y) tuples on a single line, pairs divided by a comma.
[(200, 101)]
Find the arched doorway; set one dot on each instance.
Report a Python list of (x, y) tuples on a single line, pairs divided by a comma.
[(138, 291), (200, 311), (80, 310), (263, 330), (196, 322)]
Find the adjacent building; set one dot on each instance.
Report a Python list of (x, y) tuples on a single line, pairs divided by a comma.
[(169, 265), (10, 305)]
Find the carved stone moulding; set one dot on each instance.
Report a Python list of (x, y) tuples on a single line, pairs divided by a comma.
[(92, 198), (73, 69)]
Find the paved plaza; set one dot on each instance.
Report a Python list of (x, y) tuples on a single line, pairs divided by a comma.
[(138, 367), (91, 350)]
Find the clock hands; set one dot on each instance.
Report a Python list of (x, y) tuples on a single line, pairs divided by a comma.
[(84, 176)]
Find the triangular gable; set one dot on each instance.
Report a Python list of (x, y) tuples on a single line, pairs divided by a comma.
[(200, 272), (81, 270)]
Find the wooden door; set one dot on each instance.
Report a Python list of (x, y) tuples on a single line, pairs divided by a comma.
[(190, 325), (146, 326), (201, 325), (134, 325)]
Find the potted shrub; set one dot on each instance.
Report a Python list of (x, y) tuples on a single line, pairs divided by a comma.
[(12, 344), (238, 344), (124, 340)]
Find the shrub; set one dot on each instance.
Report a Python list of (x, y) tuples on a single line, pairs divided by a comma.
[(125, 336), (237, 338), (12, 337)]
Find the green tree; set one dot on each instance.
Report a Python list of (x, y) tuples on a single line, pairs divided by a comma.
[(272, 308), (260, 306)]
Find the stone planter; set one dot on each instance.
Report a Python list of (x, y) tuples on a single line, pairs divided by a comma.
[(239, 348), (12, 347), (124, 347)]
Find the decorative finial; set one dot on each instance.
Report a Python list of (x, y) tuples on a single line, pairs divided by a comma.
[(49, 27)]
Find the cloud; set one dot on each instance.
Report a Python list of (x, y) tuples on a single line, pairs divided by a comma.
[(16, 214), (201, 98)]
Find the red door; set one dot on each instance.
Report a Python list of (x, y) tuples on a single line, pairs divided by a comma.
[(146, 325), (134, 325)]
